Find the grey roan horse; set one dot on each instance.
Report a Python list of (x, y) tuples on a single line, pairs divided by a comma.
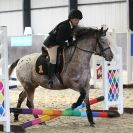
[(76, 73)]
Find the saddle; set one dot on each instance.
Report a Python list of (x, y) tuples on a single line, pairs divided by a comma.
[(42, 62)]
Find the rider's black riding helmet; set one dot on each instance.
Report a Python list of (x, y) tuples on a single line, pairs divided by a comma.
[(75, 14)]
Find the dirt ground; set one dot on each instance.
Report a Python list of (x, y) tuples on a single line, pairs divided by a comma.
[(62, 100)]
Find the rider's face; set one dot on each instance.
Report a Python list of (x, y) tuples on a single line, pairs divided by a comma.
[(75, 21)]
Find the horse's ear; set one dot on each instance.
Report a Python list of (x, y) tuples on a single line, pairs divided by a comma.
[(106, 30), (101, 30)]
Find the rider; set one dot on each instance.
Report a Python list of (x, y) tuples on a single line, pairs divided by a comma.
[(57, 38)]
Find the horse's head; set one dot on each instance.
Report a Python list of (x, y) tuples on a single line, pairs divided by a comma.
[(102, 47), (97, 41)]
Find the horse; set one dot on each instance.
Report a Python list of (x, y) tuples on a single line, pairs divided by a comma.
[(76, 71)]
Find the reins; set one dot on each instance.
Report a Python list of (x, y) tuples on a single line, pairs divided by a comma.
[(87, 51)]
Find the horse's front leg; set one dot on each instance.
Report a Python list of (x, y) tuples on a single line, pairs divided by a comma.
[(88, 110), (80, 99)]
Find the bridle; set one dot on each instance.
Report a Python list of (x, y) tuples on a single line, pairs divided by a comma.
[(94, 51), (100, 46), (89, 51)]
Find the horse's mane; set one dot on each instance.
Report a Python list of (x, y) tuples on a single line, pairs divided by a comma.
[(82, 32)]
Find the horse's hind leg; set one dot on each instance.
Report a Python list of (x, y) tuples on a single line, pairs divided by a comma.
[(30, 98), (30, 89), (21, 98), (80, 99), (30, 105)]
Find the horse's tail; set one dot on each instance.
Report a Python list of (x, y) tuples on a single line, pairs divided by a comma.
[(11, 68)]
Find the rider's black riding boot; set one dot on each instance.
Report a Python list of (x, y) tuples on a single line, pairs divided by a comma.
[(51, 72)]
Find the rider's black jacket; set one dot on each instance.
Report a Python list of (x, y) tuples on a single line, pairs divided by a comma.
[(60, 34)]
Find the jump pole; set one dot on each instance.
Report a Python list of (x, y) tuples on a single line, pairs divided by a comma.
[(44, 117), (67, 112), (57, 113), (12, 86), (51, 114), (92, 101)]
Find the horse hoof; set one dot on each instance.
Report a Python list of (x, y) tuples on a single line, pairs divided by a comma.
[(93, 124), (73, 106)]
